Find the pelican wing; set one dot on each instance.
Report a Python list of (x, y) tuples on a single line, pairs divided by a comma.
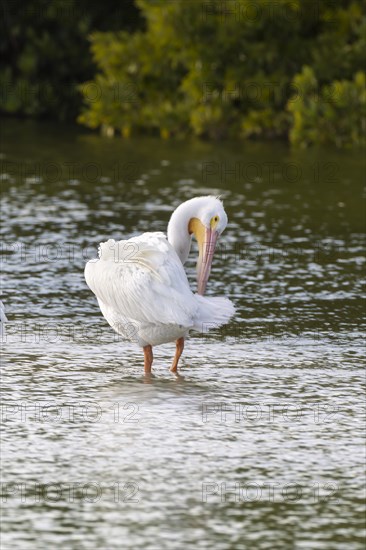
[(143, 280)]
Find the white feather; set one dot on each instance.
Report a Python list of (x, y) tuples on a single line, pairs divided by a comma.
[(144, 294), (3, 320)]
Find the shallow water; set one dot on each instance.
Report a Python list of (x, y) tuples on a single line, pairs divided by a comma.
[(260, 443)]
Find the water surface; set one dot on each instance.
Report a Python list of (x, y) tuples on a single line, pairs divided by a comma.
[(260, 444)]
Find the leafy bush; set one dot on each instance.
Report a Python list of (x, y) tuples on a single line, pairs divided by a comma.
[(333, 113), (45, 52), (232, 69)]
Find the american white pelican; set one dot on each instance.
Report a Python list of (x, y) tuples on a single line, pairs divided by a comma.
[(3, 320), (143, 290)]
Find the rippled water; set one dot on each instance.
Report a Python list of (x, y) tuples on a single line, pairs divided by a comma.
[(260, 443)]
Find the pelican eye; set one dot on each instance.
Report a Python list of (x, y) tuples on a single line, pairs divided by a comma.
[(214, 221)]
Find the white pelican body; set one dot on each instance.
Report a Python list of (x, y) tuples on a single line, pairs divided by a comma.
[(142, 288)]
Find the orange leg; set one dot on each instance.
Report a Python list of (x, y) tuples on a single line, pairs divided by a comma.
[(148, 358), (178, 352)]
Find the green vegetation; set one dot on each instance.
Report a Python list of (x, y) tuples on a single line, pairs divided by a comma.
[(235, 69), (333, 113), (46, 48), (216, 69)]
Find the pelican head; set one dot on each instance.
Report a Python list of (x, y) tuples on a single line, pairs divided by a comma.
[(205, 219)]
